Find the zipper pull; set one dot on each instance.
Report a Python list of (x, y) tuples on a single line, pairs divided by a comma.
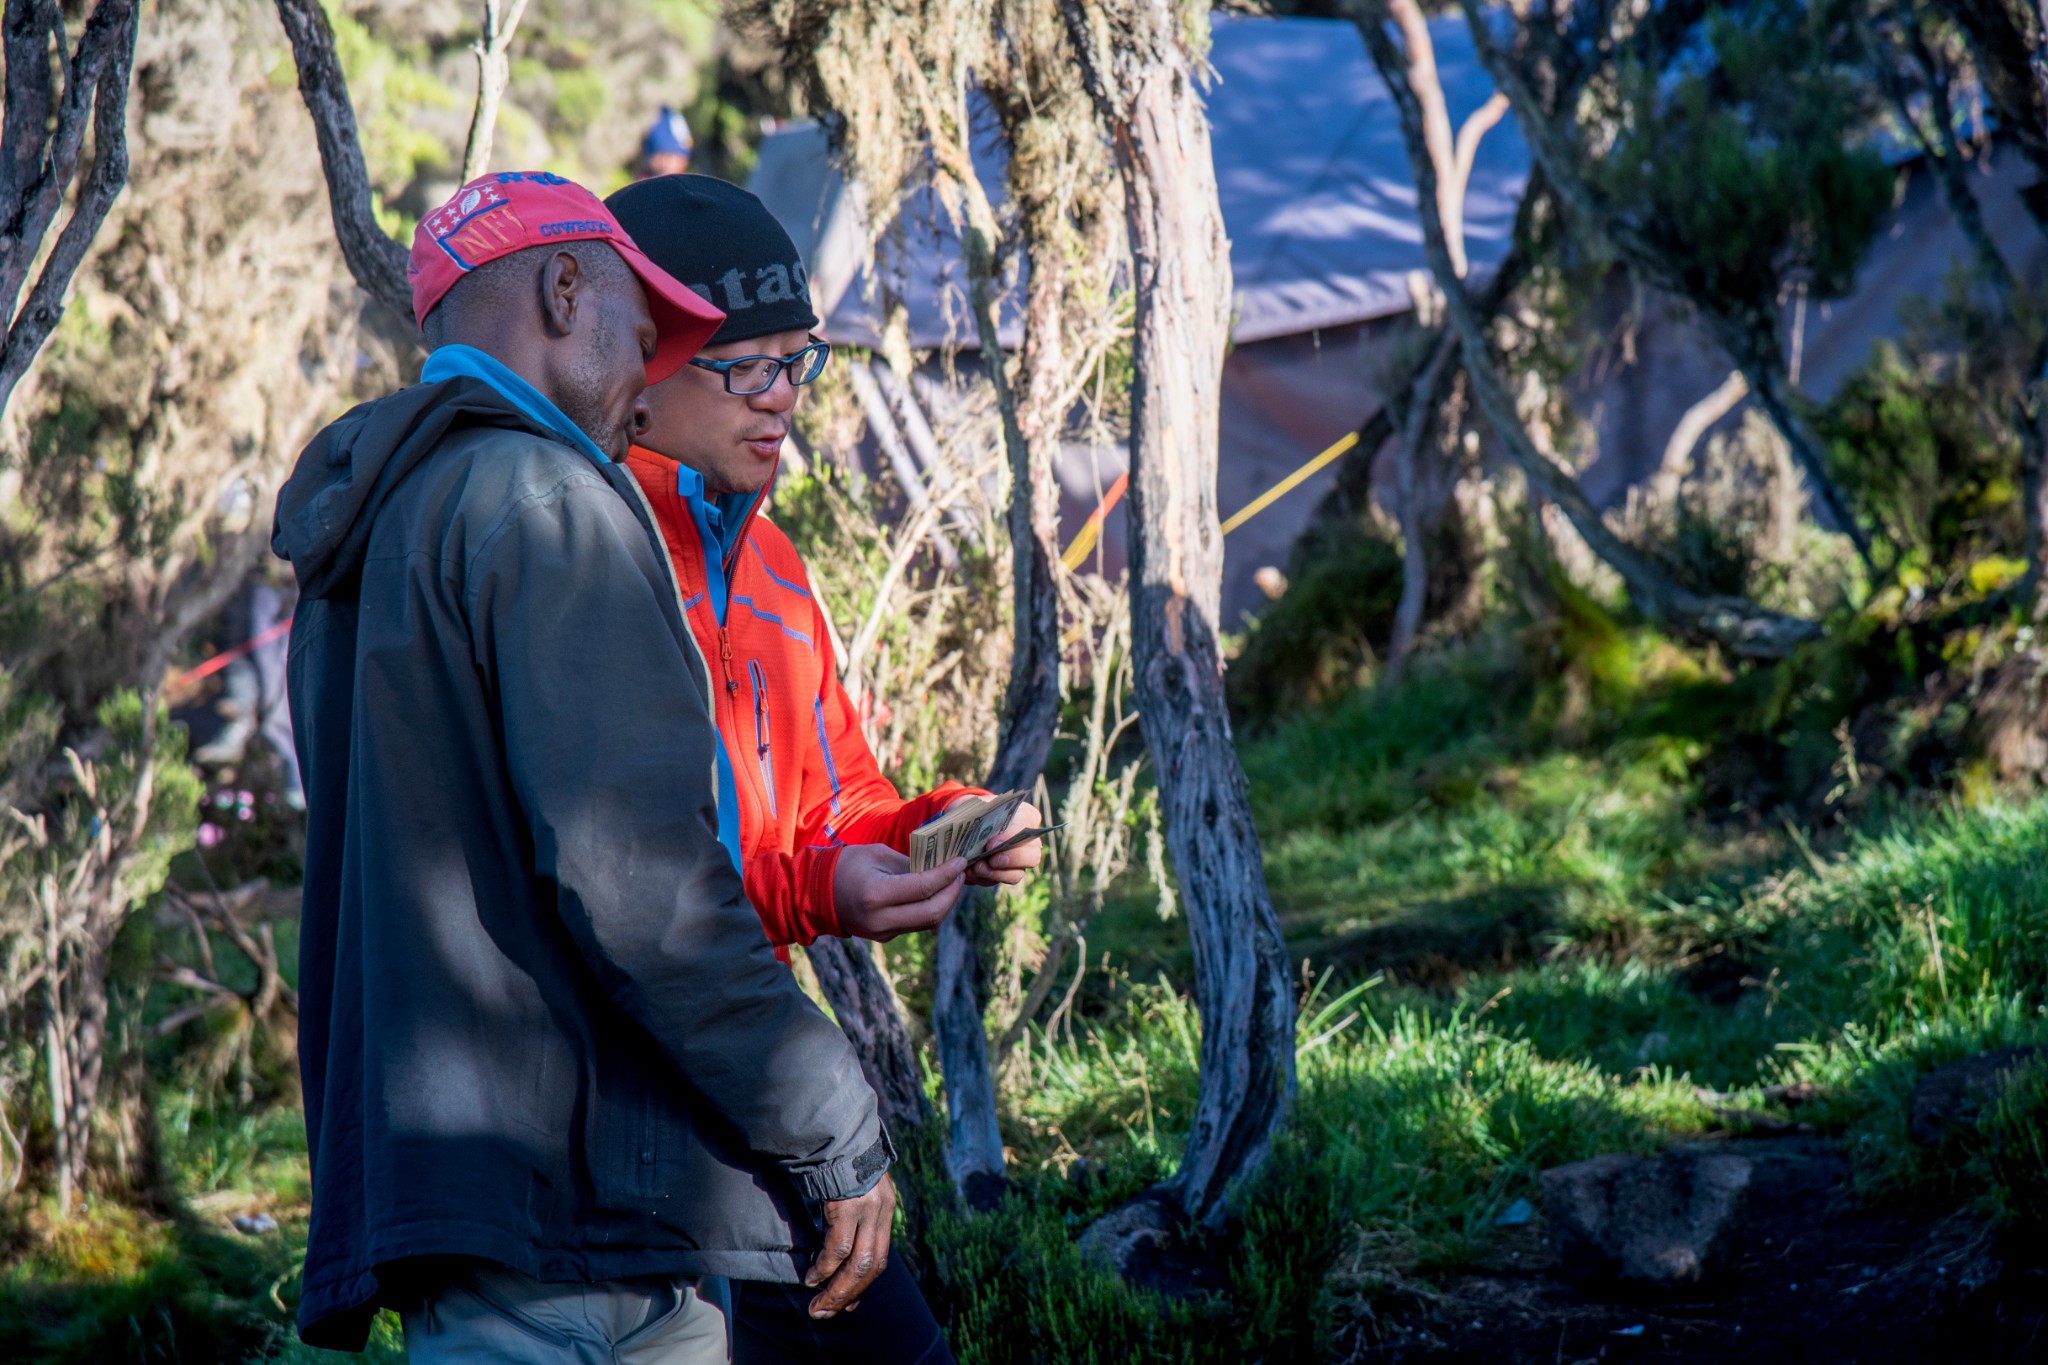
[(725, 659), (761, 731)]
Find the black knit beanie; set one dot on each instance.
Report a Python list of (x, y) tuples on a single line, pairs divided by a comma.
[(722, 242)]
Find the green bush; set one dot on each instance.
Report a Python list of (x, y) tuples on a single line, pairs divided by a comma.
[(1321, 640), (2015, 1134)]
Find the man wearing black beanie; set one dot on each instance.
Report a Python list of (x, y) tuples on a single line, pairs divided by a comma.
[(819, 834)]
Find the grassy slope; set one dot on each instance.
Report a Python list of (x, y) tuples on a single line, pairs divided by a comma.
[(1572, 948), (1525, 952)]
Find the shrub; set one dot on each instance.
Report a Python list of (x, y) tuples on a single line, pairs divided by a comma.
[(2015, 1133)]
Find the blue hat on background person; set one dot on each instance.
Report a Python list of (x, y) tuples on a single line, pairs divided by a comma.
[(670, 136)]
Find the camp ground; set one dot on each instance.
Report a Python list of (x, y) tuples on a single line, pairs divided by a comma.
[(1328, 265)]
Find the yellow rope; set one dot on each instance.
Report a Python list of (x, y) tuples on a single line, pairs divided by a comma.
[(1091, 530), (1084, 541), (1288, 484)]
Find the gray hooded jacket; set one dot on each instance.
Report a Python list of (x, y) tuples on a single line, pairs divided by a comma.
[(539, 1022)]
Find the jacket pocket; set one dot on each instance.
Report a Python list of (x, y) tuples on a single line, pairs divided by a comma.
[(761, 746)]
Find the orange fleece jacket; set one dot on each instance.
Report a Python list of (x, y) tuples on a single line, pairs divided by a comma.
[(808, 784)]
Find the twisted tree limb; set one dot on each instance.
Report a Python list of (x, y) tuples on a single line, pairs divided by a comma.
[(1740, 625), (38, 161), (377, 262), (1748, 334), (1030, 704)]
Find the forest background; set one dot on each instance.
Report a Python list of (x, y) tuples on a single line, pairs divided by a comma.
[(1533, 831)]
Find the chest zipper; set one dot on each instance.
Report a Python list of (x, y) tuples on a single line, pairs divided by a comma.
[(761, 733), (725, 660)]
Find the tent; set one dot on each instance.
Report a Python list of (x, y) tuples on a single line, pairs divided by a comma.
[(1327, 257)]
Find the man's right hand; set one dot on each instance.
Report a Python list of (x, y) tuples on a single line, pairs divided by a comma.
[(877, 896), (856, 1248)]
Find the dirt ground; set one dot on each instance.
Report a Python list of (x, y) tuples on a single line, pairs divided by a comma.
[(1817, 1280)]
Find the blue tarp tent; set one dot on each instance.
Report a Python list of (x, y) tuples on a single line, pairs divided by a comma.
[(1310, 169), (1327, 258)]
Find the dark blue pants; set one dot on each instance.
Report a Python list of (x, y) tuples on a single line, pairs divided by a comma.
[(893, 1325)]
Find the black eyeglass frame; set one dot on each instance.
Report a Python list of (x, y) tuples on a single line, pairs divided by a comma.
[(782, 363)]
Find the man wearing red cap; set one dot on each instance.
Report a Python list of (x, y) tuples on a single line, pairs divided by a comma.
[(558, 1090)]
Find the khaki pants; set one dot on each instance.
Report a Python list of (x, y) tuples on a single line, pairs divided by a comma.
[(485, 1312)]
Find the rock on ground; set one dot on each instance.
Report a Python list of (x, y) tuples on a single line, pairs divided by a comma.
[(1648, 1222), (1949, 1098), (1145, 1243)]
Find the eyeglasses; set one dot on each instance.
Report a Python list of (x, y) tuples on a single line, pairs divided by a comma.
[(751, 374)]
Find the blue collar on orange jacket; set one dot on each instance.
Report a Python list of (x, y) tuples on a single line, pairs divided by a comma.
[(721, 522)]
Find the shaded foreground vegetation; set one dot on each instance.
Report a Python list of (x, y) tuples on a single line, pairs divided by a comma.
[(1516, 951)]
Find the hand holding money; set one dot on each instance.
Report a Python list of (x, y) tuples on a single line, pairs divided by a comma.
[(973, 825), (877, 896)]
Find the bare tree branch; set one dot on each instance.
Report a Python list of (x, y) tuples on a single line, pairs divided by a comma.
[(1436, 122), (1750, 341), (1742, 626), (95, 91), (1693, 425), (493, 69), (377, 262)]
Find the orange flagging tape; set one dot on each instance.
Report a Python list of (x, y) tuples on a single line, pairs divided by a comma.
[(1091, 529), (228, 656)]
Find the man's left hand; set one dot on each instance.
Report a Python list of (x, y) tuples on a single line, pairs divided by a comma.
[(1011, 866)]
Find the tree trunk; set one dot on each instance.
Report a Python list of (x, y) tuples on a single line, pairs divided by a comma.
[(40, 141), (1417, 424), (78, 1041), (867, 1010), (1030, 714), (1032, 701), (1141, 71), (1741, 626), (377, 262)]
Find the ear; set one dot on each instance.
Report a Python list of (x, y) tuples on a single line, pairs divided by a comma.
[(562, 287)]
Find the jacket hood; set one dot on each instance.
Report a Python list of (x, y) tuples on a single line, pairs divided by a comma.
[(326, 508)]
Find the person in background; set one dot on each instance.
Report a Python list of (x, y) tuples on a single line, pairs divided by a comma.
[(667, 147), (557, 1087), (254, 698), (822, 834)]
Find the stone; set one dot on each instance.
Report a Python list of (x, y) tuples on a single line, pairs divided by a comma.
[(1146, 1246), (1662, 1222), (1949, 1098)]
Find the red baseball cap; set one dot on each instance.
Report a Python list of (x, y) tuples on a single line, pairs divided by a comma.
[(496, 215)]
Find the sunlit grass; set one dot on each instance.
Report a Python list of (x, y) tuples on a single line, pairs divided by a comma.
[(1521, 952)]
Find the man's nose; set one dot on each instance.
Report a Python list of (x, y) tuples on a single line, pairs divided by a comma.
[(777, 397)]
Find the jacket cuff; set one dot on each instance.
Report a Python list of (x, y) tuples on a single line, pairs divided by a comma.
[(817, 910), (849, 1177)]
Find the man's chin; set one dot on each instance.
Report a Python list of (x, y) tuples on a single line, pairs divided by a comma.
[(750, 477)]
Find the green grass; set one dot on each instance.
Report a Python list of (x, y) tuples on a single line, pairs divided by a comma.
[(1524, 949)]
